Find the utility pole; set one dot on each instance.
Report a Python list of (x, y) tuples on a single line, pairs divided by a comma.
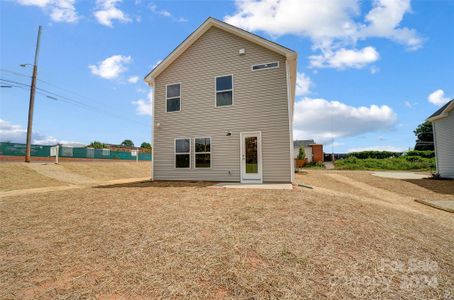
[(32, 98)]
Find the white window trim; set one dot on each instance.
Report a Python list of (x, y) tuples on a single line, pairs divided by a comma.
[(175, 152), (210, 153), (170, 98), (228, 90), (269, 68), (260, 157)]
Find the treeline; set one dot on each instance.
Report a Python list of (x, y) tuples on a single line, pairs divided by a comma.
[(390, 154), (125, 143), (388, 160)]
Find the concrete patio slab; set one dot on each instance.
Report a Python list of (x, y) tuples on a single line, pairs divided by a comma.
[(263, 186), (446, 205), (401, 175)]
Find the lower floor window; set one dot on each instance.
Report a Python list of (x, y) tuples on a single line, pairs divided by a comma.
[(203, 160), (182, 161), (182, 153), (202, 147)]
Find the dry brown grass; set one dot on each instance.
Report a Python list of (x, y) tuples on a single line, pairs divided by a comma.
[(15, 176), (110, 170), (183, 240), (411, 187)]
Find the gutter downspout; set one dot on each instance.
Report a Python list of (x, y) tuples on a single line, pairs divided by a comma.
[(290, 120)]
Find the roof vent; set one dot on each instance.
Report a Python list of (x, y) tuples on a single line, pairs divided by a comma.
[(271, 65), (242, 51)]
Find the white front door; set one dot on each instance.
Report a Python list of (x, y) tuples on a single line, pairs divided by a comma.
[(251, 157)]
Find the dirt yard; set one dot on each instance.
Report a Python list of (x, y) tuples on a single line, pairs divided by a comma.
[(353, 235)]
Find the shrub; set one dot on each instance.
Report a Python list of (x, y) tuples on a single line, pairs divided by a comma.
[(301, 153), (395, 163), (315, 165), (426, 154), (374, 154), (96, 145)]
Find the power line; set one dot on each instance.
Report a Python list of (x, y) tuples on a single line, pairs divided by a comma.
[(38, 92), (55, 96), (51, 84), (15, 73)]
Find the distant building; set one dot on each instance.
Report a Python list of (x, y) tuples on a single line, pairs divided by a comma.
[(313, 151), (443, 129)]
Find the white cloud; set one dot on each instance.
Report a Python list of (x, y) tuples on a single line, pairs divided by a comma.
[(324, 120), (384, 20), (111, 67), (344, 58), (303, 84), (145, 106), (408, 104), (156, 64), (320, 20), (165, 13), (11, 133), (39, 3), (374, 70), (133, 79), (17, 134), (59, 10), (107, 11), (377, 148), (438, 97), (331, 25)]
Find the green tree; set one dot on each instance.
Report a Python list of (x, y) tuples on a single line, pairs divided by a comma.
[(96, 145), (301, 153), (424, 136), (145, 145), (127, 143)]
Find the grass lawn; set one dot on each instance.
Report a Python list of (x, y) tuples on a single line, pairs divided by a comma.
[(395, 163), (110, 170), (185, 240), (19, 176)]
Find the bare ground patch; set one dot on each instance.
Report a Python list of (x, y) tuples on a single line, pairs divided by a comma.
[(14, 176), (110, 170), (183, 240), (408, 187)]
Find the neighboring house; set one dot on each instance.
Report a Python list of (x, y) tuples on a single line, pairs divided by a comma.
[(312, 150), (443, 129), (223, 108)]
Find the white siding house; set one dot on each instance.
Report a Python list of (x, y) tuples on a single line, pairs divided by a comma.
[(223, 108), (443, 129)]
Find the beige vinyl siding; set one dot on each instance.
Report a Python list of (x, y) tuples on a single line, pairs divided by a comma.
[(260, 104), (444, 145)]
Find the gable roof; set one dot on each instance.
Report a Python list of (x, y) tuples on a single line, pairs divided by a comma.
[(442, 112), (212, 22)]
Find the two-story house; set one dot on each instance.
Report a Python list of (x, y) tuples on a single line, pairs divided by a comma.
[(223, 108)]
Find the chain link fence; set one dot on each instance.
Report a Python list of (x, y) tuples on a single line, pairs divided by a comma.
[(14, 149)]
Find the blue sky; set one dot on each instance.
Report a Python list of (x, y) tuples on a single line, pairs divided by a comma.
[(369, 72)]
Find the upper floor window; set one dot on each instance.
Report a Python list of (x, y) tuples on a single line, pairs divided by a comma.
[(224, 90), (173, 97), (271, 65)]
